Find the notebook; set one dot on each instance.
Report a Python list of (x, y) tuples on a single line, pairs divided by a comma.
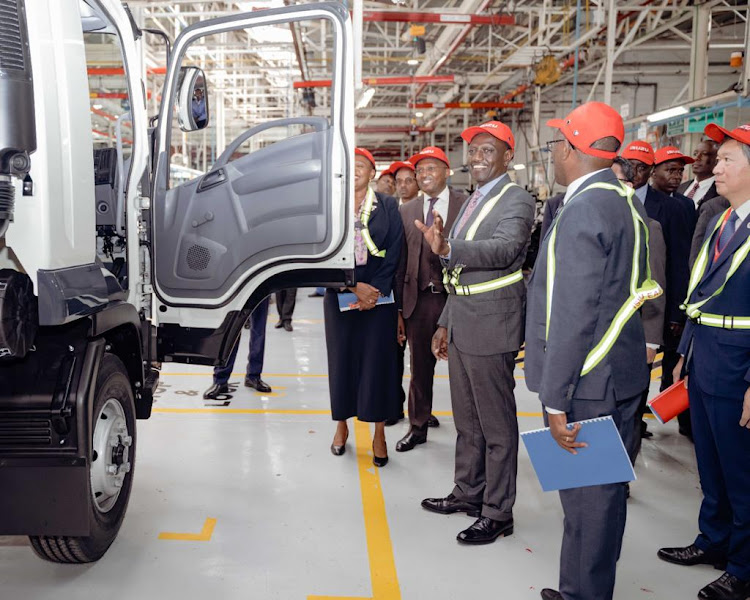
[(603, 461), (670, 403), (348, 300)]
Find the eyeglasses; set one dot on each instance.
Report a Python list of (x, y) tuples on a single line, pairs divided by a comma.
[(552, 143)]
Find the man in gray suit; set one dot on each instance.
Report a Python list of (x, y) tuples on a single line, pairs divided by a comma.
[(480, 332), (583, 363)]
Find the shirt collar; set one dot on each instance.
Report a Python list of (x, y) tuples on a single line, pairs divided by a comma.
[(576, 184), (487, 187), (444, 195), (641, 192), (743, 211)]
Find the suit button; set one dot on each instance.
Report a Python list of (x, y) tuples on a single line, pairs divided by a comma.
[(700, 293)]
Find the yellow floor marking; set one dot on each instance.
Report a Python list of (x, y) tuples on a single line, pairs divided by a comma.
[(656, 373), (203, 536), (383, 574)]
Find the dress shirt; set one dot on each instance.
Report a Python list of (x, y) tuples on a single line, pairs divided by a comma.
[(702, 189), (641, 193), (742, 212), (441, 205)]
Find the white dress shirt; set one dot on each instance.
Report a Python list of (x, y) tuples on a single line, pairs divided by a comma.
[(702, 189), (443, 199)]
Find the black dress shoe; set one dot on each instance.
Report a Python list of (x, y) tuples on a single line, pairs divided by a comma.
[(279, 324), (726, 587), (410, 441), (450, 504), (288, 326), (378, 461), (433, 422), (389, 422), (258, 384), (216, 390), (485, 531), (550, 594), (692, 555)]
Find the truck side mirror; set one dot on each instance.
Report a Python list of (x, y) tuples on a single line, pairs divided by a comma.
[(192, 99)]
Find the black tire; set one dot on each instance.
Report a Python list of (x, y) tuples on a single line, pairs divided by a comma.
[(112, 383)]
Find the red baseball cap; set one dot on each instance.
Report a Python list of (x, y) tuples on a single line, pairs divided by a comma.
[(639, 150), (366, 154), (495, 128), (429, 152), (671, 153), (589, 123), (718, 134), (400, 164), (386, 172)]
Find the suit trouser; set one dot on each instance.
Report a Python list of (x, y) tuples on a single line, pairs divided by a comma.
[(258, 320), (484, 411), (420, 327), (285, 302), (400, 351), (595, 515), (722, 449), (642, 409)]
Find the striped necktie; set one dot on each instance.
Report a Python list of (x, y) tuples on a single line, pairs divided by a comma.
[(470, 208), (693, 190)]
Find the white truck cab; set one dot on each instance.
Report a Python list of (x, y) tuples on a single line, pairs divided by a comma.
[(117, 257)]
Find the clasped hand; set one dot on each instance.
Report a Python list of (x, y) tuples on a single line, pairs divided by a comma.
[(367, 296)]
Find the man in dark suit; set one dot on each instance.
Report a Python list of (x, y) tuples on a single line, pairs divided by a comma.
[(703, 185), (677, 220), (578, 287), (716, 344), (419, 283), (480, 332)]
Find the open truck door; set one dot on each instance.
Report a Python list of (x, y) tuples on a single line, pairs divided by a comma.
[(248, 211)]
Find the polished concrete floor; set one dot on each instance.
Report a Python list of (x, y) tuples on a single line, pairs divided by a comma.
[(242, 499)]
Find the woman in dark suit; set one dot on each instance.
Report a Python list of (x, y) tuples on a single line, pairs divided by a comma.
[(361, 343)]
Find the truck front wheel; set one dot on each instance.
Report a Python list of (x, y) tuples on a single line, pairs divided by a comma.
[(111, 469)]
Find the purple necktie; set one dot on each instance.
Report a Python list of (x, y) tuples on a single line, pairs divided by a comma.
[(691, 193), (430, 217), (473, 203), (728, 231)]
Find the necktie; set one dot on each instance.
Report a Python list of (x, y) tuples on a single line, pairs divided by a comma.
[(473, 203), (728, 231), (693, 189), (430, 217)]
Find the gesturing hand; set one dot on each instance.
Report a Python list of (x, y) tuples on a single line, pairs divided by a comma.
[(440, 343), (745, 418), (433, 235), (566, 438)]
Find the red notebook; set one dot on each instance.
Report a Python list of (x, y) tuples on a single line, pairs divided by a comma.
[(670, 403)]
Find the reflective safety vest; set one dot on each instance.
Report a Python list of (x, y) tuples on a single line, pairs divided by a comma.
[(638, 295), (365, 219), (451, 279), (701, 264)]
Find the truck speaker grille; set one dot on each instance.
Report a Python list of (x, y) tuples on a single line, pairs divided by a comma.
[(25, 432), (11, 46), (198, 257)]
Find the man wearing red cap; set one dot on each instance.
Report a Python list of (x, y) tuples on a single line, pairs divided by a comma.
[(386, 183), (406, 180), (582, 361), (677, 219), (481, 330), (716, 343), (669, 167), (419, 282)]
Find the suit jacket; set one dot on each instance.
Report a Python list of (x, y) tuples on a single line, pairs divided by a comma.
[(710, 192), (653, 311), (492, 322), (387, 232), (721, 357), (707, 211), (594, 253), (550, 209), (676, 215), (407, 276)]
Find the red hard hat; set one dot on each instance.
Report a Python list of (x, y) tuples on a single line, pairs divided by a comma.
[(639, 150), (589, 123), (430, 152), (495, 128)]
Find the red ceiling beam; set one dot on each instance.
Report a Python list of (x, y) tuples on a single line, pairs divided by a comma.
[(110, 71), (386, 129), (375, 81), (392, 16), (470, 105)]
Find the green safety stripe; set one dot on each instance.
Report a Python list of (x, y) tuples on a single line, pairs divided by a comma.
[(701, 264), (638, 295), (452, 280), (723, 321), (365, 219)]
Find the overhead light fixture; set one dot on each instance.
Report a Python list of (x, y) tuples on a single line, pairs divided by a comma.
[(519, 167), (667, 114), (419, 114), (98, 106), (365, 98), (412, 61)]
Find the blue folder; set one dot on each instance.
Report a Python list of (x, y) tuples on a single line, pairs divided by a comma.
[(603, 461), (348, 299)]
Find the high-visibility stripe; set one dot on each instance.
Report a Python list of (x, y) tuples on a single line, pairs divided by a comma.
[(699, 269), (452, 280), (723, 321), (638, 295), (365, 219)]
